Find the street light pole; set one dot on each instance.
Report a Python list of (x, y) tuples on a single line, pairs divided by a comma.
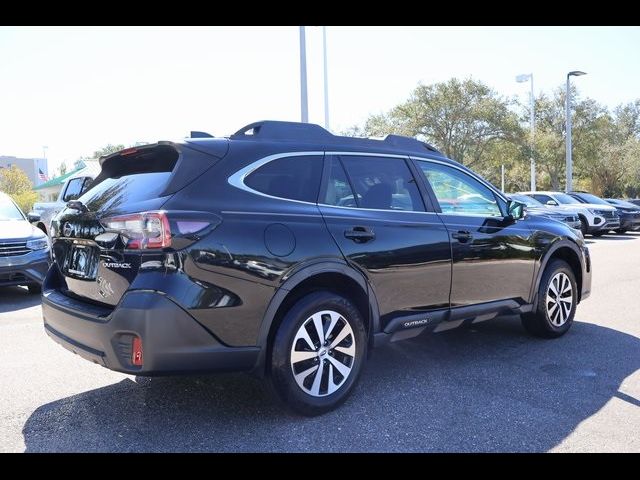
[(532, 123), (569, 160), (326, 78), (304, 103)]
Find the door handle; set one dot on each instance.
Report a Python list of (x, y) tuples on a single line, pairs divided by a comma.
[(462, 236), (360, 234)]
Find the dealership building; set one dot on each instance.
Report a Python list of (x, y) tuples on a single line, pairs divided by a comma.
[(36, 168)]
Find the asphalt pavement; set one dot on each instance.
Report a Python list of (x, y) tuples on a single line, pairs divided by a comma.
[(486, 388)]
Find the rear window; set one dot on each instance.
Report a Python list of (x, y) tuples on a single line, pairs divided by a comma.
[(128, 179), (293, 178), (113, 193)]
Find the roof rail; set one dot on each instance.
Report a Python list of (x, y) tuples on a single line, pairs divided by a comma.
[(284, 131), (409, 143), (277, 130)]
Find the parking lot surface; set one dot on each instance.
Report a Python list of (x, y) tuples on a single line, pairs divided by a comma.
[(486, 388)]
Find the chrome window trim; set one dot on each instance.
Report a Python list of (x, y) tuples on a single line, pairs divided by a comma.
[(373, 209), (237, 179)]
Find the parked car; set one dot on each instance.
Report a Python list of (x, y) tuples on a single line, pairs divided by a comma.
[(72, 189), (534, 207), (596, 219), (591, 199), (24, 249), (629, 214), (240, 253), (635, 201)]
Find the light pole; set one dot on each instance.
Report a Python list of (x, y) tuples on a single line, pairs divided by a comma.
[(304, 103), (326, 78), (532, 123), (569, 182)]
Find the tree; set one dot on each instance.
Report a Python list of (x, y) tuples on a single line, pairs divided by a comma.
[(15, 183), (470, 123), (107, 150), (62, 169), (464, 119)]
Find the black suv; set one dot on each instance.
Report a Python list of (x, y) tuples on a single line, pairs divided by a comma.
[(290, 252)]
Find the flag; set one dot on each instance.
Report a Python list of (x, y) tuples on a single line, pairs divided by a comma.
[(42, 176)]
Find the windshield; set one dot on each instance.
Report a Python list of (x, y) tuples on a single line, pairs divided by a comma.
[(621, 203), (528, 201), (8, 211), (565, 199), (589, 198)]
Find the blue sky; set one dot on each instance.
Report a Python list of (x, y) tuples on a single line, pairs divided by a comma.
[(77, 89)]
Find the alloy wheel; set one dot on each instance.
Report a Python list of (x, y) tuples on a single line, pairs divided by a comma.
[(559, 299), (323, 353)]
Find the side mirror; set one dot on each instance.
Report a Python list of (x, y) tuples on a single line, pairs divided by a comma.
[(515, 210), (552, 203), (33, 217)]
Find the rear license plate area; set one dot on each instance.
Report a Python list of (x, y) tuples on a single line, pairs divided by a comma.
[(82, 262)]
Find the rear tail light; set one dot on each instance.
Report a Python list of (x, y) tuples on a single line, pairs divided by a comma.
[(141, 230), (136, 351)]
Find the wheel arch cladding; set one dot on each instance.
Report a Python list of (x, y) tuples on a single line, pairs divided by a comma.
[(338, 278), (569, 255)]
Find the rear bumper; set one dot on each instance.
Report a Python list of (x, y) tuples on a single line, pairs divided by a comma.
[(24, 269), (172, 341)]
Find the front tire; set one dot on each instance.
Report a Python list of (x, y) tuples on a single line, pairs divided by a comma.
[(34, 288), (621, 231), (557, 300), (584, 226), (318, 353), (598, 234)]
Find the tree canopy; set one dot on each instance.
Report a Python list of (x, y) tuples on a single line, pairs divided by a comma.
[(15, 183), (471, 123)]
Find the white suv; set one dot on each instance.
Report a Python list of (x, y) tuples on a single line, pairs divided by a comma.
[(595, 219)]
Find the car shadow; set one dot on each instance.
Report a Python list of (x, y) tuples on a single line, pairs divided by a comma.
[(616, 237), (17, 298), (486, 388)]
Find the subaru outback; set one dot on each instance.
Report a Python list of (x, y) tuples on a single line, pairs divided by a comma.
[(291, 253)]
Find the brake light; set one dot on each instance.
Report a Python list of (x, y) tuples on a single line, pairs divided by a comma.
[(141, 230), (128, 151)]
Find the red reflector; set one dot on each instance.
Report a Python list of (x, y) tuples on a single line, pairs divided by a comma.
[(136, 351)]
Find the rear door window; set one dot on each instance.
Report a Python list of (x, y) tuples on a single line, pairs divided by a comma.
[(380, 183), (291, 178)]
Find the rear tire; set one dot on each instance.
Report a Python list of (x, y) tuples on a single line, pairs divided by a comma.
[(598, 234), (314, 371), (557, 300), (33, 288)]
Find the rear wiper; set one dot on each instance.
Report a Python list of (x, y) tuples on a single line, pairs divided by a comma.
[(77, 205)]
